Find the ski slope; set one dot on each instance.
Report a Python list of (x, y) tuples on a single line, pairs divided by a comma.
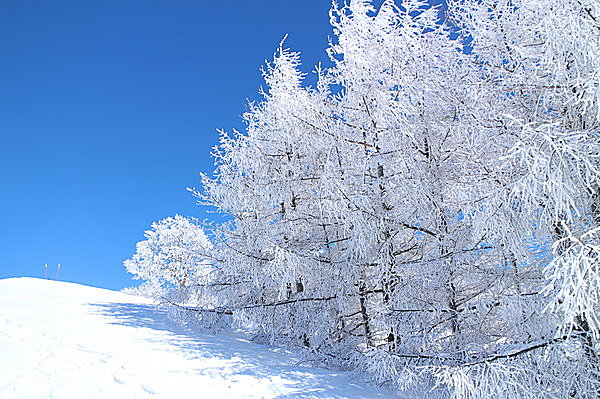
[(62, 340)]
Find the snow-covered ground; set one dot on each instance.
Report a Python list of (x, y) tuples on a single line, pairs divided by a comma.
[(63, 340)]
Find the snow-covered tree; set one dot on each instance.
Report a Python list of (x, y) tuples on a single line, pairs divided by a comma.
[(269, 180), (174, 254), (542, 59), (429, 211)]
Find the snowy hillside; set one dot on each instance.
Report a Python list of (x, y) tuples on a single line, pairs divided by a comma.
[(62, 340)]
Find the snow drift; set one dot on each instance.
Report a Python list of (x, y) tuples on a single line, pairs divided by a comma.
[(62, 340)]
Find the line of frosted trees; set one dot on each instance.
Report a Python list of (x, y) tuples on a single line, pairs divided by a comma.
[(429, 212)]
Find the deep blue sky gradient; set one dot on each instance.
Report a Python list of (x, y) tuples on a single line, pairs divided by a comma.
[(109, 109)]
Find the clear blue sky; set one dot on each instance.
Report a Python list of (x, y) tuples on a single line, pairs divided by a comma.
[(109, 109)]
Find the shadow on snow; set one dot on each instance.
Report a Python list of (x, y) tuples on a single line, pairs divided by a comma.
[(247, 358)]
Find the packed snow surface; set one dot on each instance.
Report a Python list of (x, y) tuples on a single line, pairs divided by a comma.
[(62, 340)]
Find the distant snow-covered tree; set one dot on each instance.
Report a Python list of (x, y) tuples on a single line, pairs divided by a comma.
[(174, 254)]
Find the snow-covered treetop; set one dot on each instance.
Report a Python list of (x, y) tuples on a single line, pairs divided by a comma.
[(174, 253)]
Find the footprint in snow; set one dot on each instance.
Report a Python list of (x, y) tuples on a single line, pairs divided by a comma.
[(149, 390)]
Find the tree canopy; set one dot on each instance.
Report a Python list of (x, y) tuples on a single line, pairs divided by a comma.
[(429, 211)]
